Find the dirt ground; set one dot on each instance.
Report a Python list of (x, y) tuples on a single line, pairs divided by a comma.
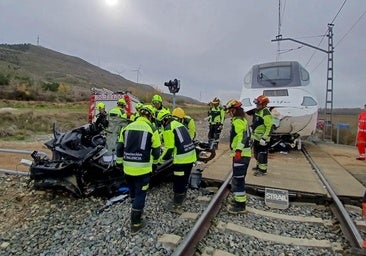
[(16, 199), (11, 161), (344, 155)]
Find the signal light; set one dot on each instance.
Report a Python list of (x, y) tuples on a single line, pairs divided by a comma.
[(173, 86)]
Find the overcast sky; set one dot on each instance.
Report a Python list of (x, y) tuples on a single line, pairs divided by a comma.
[(208, 44)]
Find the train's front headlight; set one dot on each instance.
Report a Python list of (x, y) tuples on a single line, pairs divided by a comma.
[(308, 101)]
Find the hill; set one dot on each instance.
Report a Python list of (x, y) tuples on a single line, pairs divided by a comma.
[(29, 72)]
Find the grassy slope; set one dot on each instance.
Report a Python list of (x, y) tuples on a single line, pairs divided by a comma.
[(21, 120), (28, 67)]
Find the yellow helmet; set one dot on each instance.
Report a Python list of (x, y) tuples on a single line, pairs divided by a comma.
[(147, 110), (178, 112), (164, 113), (157, 98), (138, 106), (100, 106), (121, 102)]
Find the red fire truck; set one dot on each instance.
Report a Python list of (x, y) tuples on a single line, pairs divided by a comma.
[(110, 99)]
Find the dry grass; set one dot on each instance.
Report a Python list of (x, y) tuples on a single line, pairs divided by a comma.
[(345, 136), (21, 120)]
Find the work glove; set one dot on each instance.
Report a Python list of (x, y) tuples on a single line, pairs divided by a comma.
[(237, 156), (262, 142)]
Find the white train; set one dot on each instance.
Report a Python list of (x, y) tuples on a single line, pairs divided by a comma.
[(294, 108)]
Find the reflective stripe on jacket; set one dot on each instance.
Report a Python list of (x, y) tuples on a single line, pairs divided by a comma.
[(240, 136), (139, 139), (216, 115), (262, 124), (178, 144)]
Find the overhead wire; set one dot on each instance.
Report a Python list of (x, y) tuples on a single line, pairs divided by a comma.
[(351, 28), (343, 37), (325, 33)]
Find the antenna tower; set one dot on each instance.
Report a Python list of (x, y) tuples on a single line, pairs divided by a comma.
[(328, 129)]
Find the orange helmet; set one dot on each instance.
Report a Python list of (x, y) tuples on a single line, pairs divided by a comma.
[(261, 99), (233, 104)]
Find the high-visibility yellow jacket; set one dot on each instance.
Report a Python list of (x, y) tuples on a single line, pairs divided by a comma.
[(178, 144), (240, 136), (140, 146), (216, 115), (190, 124), (262, 124), (119, 112)]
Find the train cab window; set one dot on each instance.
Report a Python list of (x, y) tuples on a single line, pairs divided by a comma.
[(275, 76), (304, 75), (308, 101)]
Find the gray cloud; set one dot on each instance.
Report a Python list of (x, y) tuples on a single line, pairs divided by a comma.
[(208, 44)]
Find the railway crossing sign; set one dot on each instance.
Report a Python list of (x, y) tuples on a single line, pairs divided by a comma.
[(276, 198)]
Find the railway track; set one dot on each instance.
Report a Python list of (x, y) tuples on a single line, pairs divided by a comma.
[(56, 224), (282, 226)]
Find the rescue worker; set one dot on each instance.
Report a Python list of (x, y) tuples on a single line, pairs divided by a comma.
[(119, 109), (262, 128), (157, 102), (101, 118), (139, 145), (136, 115), (216, 117), (187, 121), (117, 119), (240, 146), (361, 135), (179, 146)]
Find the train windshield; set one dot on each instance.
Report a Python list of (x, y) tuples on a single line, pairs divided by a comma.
[(274, 76)]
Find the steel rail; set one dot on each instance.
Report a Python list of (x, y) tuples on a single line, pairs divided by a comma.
[(18, 151), (189, 243), (14, 172), (343, 217)]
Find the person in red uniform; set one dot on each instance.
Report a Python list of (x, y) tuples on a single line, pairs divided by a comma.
[(361, 135)]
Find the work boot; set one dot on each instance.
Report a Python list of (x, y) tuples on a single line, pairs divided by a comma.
[(237, 208), (232, 200), (176, 205), (136, 222), (260, 173)]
